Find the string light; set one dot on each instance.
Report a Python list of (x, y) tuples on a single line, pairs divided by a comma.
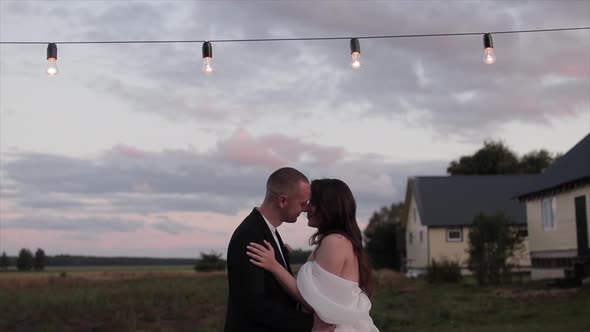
[(208, 58), (354, 44), (51, 59), (488, 46), (355, 51)]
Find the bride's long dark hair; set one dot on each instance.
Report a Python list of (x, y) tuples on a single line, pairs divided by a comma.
[(336, 208)]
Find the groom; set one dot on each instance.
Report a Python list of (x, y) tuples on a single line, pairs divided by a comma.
[(256, 300)]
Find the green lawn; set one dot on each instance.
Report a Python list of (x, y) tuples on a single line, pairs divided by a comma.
[(196, 302)]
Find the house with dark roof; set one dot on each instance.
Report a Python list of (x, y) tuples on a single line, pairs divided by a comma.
[(440, 210), (557, 208)]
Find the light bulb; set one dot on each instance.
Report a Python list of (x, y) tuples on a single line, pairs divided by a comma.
[(51, 59), (356, 60), (488, 46), (208, 66), (489, 55), (355, 51), (52, 67)]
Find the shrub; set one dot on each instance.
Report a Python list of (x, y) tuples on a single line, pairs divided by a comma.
[(210, 262), (444, 271), (493, 240)]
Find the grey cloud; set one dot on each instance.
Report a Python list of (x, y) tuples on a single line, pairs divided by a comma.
[(255, 79), (49, 202), (81, 225), (399, 77), (376, 183), (301, 76), (19, 8), (171, 227), (159, 203), (50, 173), (187, 181)]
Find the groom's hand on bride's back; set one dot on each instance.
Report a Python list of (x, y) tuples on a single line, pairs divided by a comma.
[(320, 325)]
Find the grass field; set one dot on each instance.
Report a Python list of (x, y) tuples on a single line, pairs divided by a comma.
[(179, 299)]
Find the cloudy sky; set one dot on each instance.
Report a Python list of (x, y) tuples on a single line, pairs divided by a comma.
[(131, 150)]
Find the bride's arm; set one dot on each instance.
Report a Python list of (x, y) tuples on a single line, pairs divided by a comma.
[(264, 257)]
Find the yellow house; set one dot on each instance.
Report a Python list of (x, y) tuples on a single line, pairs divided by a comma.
[(557, 205), (440, 210)]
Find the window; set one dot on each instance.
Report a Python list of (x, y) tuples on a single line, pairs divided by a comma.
[(414, 215), (410, 237), (548, 213), (420, 236), (454, 235)]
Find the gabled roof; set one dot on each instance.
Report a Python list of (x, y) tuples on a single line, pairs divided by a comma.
[(456, 200), (574, 166)]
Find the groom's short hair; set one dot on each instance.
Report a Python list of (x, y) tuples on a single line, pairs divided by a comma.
[(284, 180)]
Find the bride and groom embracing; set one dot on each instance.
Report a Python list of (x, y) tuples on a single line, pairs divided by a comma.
[(331, 291)]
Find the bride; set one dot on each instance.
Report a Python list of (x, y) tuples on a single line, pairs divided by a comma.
[(335, 283)]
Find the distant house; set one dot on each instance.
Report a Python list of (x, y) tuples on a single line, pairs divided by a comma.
[(440, 210), (557, 205)]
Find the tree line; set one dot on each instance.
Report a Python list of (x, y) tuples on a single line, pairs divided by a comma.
[(27, 261)]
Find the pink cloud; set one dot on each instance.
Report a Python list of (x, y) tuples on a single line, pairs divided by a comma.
[(276, 150), (580, 69), (245, 149), (572, 64), (128, 151)]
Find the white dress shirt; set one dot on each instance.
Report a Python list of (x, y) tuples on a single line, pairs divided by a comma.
[(272, 231)]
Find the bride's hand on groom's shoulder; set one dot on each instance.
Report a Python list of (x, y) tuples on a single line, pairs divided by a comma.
[(262, 256)]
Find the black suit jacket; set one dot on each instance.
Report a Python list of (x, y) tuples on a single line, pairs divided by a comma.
[(256, 300)]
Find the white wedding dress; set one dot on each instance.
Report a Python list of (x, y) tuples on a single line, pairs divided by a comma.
[(335, 300)]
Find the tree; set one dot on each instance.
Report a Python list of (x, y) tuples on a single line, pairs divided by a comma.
[(210, 262), (39, 262), (385, 237), (24, 261), (535, 161), (493, 158), (496, 158), (4, 262), (493, 241)]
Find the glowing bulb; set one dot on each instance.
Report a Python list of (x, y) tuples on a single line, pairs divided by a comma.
[(51, 67), (355, 51), (489, 55), (356, 60), (208, 66), (51, 59), (488, 46)]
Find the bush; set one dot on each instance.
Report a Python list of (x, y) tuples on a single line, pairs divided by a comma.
[(445, 271), (210, 262), (493, 240)]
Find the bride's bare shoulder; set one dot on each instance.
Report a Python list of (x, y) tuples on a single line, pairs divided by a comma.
[(336, 240), (333, 252)]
